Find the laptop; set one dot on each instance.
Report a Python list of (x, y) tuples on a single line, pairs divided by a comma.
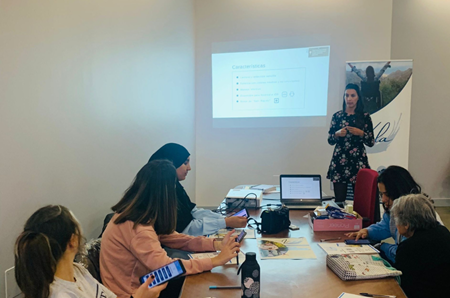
[(301, 191)]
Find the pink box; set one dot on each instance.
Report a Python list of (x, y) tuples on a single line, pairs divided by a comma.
[(335, 224)]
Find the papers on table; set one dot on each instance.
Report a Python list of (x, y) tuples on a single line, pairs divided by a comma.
[(205, 255), (347, 295), (344, 249), (222, 232), (285, 248)]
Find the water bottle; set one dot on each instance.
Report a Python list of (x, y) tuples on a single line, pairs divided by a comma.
[(250, 276)]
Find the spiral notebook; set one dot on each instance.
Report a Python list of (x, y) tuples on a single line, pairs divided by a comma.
[(359, 266)]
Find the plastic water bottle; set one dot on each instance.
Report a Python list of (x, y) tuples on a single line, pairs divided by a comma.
[(250, 276)]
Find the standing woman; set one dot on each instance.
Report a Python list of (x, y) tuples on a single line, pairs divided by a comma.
[(190, 219), (350, 130)]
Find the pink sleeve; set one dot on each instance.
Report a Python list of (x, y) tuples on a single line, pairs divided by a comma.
[(188, 243), (146, 247)]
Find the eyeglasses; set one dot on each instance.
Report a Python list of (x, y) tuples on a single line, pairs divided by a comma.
[(381, 193)]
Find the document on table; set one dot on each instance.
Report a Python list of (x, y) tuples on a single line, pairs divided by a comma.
[(347, 295), (285, 248), (343, 249), (210, 255), (222, 232)]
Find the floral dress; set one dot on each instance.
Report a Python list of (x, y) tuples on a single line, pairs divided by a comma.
[(349, 154)]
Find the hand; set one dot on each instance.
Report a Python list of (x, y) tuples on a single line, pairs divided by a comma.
[(219, 244), (355, 131), (236, 221), (364, 233), (341, 132), (145, 292), (230, 249)]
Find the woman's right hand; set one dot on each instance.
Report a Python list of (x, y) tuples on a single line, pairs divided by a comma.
[(364, 233), (341, 132), (236, 221), (145, 292), (229, 250)]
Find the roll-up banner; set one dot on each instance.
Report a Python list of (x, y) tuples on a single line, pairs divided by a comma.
[(386, 92)]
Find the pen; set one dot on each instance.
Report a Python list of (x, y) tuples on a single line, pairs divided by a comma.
[(237, 256), (331, 239), (377, 295), (224, 287)]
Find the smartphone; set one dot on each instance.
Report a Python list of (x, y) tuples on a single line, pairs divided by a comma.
[(359, 241), (241, 236), (165, 273), (243, 213)]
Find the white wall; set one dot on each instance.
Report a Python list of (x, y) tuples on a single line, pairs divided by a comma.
[(88, 90), (226, 157), (420, 32)]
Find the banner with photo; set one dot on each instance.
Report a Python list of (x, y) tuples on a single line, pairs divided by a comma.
[(386, 92)]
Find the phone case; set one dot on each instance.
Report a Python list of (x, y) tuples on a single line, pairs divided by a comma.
[(241, 236), (360, 241), (142, 280)]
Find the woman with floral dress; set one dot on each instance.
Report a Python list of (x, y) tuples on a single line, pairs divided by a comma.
[(350, 130)]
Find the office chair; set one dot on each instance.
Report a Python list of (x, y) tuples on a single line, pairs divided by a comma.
[(90, 258), (365, 196)]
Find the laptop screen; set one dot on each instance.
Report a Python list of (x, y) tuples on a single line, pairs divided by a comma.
[(300, 188)]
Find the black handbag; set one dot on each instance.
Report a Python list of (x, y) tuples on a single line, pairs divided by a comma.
[(275, 220)]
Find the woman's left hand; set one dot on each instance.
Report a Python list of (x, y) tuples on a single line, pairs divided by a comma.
[(145, 292), (355, 131)]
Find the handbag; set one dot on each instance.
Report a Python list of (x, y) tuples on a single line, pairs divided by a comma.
[(275, 220)]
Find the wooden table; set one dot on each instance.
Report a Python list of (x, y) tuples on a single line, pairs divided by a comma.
[(288, 278)]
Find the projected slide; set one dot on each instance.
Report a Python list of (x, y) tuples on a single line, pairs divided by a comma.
[(276, 83)]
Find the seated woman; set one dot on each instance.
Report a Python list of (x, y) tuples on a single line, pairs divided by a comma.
[(423, 258), (145, 219), (190, 219), (393, 183), (44, 254)]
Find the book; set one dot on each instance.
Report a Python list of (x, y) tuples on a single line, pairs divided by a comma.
[(264, 188), (285, 248), (341, 248), (358, 266), (205, 255)]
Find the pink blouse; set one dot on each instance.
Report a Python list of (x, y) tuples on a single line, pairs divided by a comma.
[(127, 254)]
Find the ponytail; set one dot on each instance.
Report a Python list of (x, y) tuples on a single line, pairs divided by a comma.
[(35, 265), (39, 248)]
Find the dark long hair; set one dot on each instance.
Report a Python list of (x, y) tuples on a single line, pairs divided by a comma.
[(398, 182), (359, 111), (370, 74), (40, 246), (151, 198)]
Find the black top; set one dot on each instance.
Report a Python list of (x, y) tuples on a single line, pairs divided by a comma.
[(184, 208), (177, 154), (424, 260), (349, 154)]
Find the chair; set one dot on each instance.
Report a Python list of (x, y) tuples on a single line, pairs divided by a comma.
[(90, 258), (365, 196), (105, 223)]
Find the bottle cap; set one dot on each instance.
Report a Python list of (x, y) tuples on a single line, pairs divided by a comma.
[(251, 256)]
